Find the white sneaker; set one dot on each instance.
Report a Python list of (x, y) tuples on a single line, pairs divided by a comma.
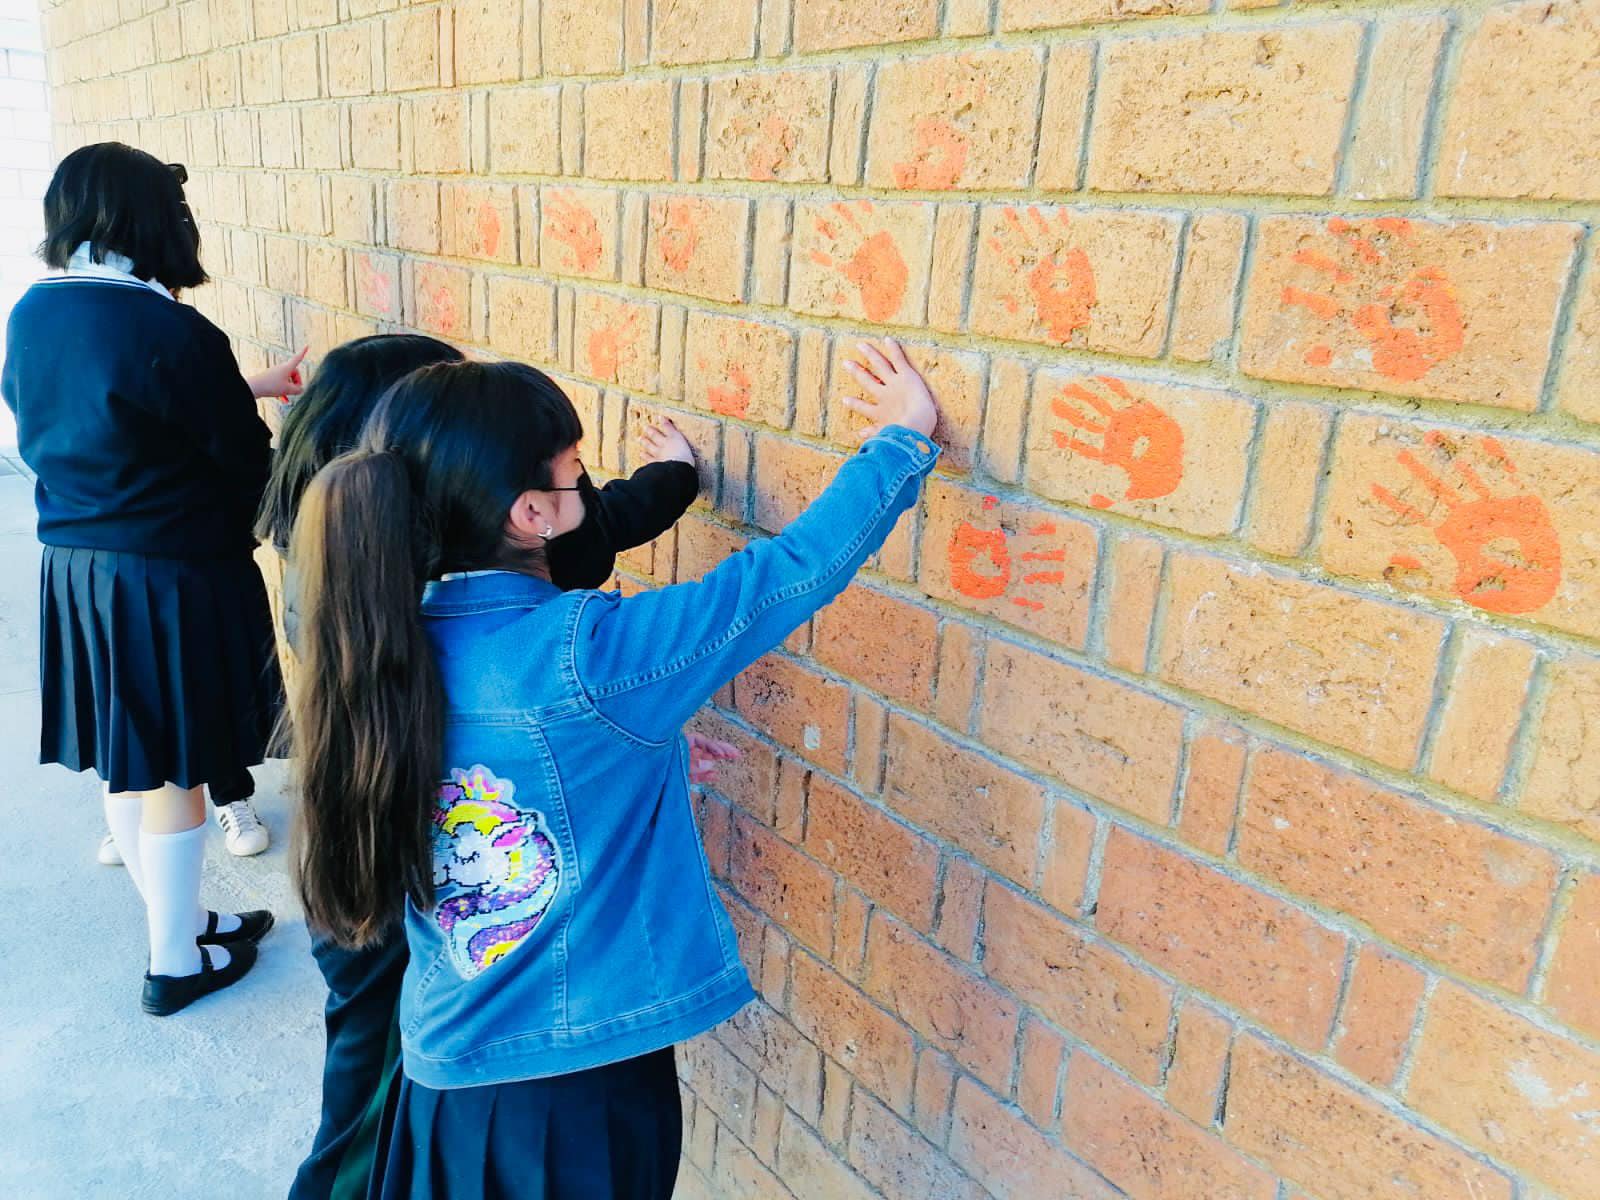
[(108, 853), (242, 829)]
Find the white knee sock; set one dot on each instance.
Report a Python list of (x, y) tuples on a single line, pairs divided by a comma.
[(172, 863), (122, 816)]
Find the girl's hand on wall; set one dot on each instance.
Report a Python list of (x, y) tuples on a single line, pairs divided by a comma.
[(704, 755), (282, 380), (661, 441), (896, 393)]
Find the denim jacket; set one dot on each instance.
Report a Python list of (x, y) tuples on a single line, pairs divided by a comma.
[(574, 921)]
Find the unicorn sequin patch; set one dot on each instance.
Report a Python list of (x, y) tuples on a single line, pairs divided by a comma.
[(494, 865)]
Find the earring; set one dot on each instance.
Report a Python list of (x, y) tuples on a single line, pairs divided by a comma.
[(549, 531)]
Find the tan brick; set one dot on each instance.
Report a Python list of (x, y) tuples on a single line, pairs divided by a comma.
[(769, 126), (1522, 118), (963, 120), (1579, 385), (846, 139), (836, 24), (615, 340), (1317, 1132), (1285, 95), (895, 1159), (698, 245), (893, 865), (411, 51), (1510, 1088), (439, 134), (579, 231), (885, 643), (480, 221), (1496, 522), (956, 379), (1569, 989), (1131, 604), (1005, 418), (1172, 455), (997, 1147), (1045, 14), (413, 215), (582, 37), (1378, 1015), (797, 708), (486, 50), (525, 131), (1213, 253), (348, 53), (375, 135), (769, 282), (319, 137), (636, 33), (862, 260), (260, 69), (1560, 786), (1458, 311), (1288, 468), (1025, 564), (1386, 152), (522, 318), (1081, 984), (952, 256), (783, 883), (442, 303), (1066, 112), (955, 1010), (1065, 880), (960, 658), (1211, 789), (305, 207), (1258, 953), (1110, 741), (788, 477), (1297, 652), (326, 275), (1146, 1150), (1199, 1062), (683, 34), (628, 130), (1091, 279), (1482, 713), (724, 1084), (1448, 888), (354, 209), (957, 794), (871, 1044), (739, 368)]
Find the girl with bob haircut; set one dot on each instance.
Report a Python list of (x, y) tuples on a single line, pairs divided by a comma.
[(501, 765), (156, 661)]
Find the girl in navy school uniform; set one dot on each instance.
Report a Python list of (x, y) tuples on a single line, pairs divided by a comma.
[(500, 764), (156, 664), (362, 1052)]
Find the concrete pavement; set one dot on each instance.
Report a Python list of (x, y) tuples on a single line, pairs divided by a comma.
[(97, 1100)]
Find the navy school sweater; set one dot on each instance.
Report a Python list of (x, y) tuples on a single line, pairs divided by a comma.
[(132, 412)]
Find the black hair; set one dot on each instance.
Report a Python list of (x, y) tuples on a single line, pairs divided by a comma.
[(445, 454), (123, 200), (326, 420)]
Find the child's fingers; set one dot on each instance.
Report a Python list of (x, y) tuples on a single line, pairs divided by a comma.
[(865, 377), (881, 366), (866, 408), (897, 355), (720, 749)]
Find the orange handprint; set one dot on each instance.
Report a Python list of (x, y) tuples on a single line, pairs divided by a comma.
[(488, 229), (1134, 434), (679, 235), (1410, 326), (773, 142), (1060, 279), (937, 159), (875, 266), (613, 344), (377, 287), (1507, 552), (732, 399), (574, 225), (981, 562)]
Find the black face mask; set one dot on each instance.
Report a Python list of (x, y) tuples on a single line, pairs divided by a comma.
[(585, 556)]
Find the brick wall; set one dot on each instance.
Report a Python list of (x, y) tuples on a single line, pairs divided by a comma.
[(1197, 798), (24, 154)]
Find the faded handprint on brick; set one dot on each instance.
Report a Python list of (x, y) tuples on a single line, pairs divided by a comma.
[(872, 263), (437, 303), (1057, 277), (488, 229), (772, 142), (984, 565), (730, 398), (376, 287), (1368, 276), (1507, 551), (1113, 426), (574, 226), (679, 234), (940, 146), (614, 345)]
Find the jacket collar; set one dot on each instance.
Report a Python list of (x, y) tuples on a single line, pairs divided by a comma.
[(484, 591)]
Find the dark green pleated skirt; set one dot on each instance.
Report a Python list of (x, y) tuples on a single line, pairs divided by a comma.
[(155, 670)]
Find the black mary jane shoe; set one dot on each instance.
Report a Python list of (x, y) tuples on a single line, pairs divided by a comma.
[(166, 994), (253, 927)]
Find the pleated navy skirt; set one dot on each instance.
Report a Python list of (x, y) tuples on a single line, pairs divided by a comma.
[(611, 1133), (155, 670)]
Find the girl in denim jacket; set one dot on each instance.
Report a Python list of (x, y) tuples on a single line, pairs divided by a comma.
[(501, 764)]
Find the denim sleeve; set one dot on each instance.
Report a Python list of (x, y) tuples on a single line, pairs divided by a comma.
[(648, 662)]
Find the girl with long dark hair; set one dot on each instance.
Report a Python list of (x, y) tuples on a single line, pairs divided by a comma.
[(500, 764), (362, 1048), (156, 662)]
